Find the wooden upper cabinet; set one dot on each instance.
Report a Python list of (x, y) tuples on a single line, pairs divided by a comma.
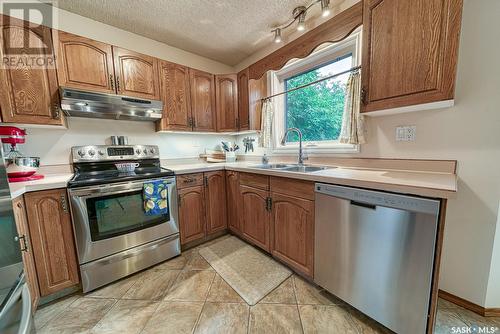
[(243, 101), (215, 199), (84, 64), (28, 94), (410, 51), (202, 100), (233, 201), (226, 100), (293, 232), (191, 213), (51, 233), (257, 90), (27, 251), (255, 216), (175, 94), (136, 74)]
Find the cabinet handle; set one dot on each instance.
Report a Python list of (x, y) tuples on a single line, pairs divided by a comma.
[(64, 204), (363, 95), (189, 180), (111, 81), (179, 200), (19, 205), (269, 203), (118, 84), (56, 110), (24, 247), (206, 181)]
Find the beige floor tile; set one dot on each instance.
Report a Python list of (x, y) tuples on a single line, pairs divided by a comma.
[(177, 263), (191, 285), (152, 285), (126, 317), (48, 312), (116, 289), (366, 325), (197, 262), (326, 319), (174, 317), (445, 320), (220, 291), (444, 304), (223, 318), (283, 294), (274, 318), (309, 294), (79, 317)]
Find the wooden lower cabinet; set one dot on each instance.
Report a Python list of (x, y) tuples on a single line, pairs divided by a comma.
[(255, 216), (191, 213), (27, 251), (293, 231), (52, 240), (215, 199), (233, 201)]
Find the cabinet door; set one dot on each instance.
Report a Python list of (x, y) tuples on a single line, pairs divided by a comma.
[(257, 90), (191, 213), (255, 216), (410, 51), (175, 94), (293, 232), (233, 201), (51, 233), (243, 101), (84, 64), (28, 259), (29, 94), (202, 100), (215, 201), (136, 74), (226, 102)]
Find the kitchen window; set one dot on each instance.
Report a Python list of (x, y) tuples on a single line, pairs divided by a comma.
[(316, 110)]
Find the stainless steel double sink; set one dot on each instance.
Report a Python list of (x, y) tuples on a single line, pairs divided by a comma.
[(293, 167)]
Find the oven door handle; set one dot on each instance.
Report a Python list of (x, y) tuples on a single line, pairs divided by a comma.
[(90, 192)]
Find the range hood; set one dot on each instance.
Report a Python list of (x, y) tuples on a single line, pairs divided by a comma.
[(80, 103)]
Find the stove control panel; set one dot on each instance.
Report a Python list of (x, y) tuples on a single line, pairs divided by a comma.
[(95, 153)]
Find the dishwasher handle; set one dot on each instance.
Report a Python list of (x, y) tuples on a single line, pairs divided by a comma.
[(364, 205)]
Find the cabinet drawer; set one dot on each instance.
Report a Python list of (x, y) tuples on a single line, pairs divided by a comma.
[(189, 180), (254, 180), (293, 187)]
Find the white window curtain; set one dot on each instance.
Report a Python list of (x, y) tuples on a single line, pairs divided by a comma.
[(266, 124), (352, 131)]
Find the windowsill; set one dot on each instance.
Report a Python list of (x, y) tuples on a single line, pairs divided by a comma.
[(320, 149)]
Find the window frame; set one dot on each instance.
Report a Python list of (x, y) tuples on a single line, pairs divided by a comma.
[(321, 57)]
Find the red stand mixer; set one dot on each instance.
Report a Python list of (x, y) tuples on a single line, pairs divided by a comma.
[(19, 168)]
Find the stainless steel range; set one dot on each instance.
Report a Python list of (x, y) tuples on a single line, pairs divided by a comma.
[(114, 236)]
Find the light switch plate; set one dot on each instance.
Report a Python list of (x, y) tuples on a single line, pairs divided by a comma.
[(406, 133)]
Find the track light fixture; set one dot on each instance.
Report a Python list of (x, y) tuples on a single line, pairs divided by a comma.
[(299, 15)]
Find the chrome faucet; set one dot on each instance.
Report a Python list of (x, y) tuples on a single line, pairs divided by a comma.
[(302, 157)]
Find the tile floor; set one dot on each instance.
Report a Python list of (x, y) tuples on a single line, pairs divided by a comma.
[(185, 295)]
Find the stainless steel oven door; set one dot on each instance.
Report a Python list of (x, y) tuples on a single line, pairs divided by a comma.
[(110, 218)]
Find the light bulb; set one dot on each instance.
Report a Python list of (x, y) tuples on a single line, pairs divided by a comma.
[(325, 8), (277, 35)]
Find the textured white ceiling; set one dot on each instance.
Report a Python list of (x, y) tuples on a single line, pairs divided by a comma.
[(224, 30)]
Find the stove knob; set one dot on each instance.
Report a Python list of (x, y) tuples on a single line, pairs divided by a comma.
[(81, 153), (100, 152), (152, 151), (138, 151), (145, 151), (91, 153)]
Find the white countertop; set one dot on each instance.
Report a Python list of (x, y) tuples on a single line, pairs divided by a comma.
[(50, 181), (430, 184)]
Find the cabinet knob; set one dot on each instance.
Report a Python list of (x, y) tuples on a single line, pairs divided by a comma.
[(64, 205), (118, 84), (111, 81)]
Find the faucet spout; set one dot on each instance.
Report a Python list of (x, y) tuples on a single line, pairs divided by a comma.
[(299, 133)]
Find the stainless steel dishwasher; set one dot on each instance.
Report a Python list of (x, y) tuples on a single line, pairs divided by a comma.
[(375, 251)]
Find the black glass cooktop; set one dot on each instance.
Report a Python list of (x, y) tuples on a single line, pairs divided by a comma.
[(95, 173)]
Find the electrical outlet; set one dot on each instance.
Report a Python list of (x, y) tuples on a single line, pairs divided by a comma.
[(406, 133)]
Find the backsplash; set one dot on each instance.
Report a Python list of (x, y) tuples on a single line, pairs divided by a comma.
[(53, 145)]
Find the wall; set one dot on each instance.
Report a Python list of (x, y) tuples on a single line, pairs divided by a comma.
[(86, 27), (470, 133), (53, 146)]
